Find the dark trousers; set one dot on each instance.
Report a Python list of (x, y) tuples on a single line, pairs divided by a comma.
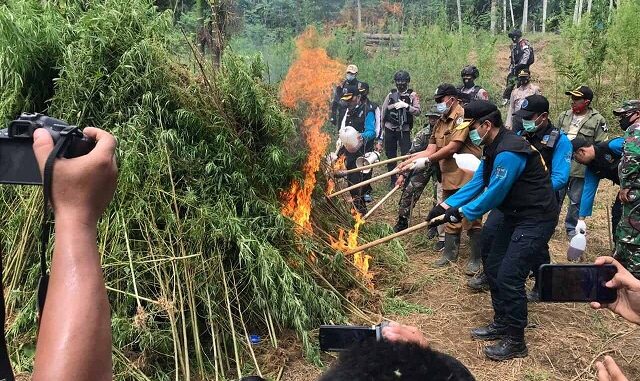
[(507, 263), (393, 139), (573, 190), (616, 215), (511, 83), (357, 177)]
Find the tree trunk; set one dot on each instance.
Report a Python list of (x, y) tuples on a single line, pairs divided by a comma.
[(494, 15), (589, 6), (575, 12), (580, 10), (610, 10), (525, 16), (544, 15), (459, 16), (504, 15), (220, 15), (513, 19), (359, 14)]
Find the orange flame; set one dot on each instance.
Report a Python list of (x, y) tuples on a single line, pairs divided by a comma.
[(309, 80), (360, 259)]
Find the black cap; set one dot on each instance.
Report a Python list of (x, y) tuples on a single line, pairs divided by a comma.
[(349, 92), (579, 142), (445, 89), (524, 73), (363, 88), (515, 33), (476, 110), (533, 104), (581, 92)]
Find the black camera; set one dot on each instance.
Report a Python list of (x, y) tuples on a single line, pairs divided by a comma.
[(18, 163)]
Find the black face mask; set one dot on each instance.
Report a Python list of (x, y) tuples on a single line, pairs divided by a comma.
[(515, 40), (523, 81), (468, 82), (402, 87), (625, 122)]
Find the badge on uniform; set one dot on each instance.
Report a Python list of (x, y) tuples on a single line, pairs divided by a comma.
[(545, 139), (608, 158), (604, 127), (500, 172)]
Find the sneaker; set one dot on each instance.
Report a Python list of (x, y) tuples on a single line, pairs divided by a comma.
[(367, 198), (439, 246)]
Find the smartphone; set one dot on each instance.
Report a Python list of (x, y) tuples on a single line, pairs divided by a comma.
[(576, 283), (337, 338)]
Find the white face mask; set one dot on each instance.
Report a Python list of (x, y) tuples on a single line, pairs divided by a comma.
[(350, 77)]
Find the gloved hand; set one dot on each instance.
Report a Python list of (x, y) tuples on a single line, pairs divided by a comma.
[(436, 211), (419, 163), (581, 227), (453, 215), (401, 104)]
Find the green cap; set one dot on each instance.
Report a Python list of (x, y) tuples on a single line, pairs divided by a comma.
[(630, 105), (433, 111)]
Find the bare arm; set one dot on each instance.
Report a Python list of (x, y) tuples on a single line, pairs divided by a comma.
[(446, 152), (74, 341)]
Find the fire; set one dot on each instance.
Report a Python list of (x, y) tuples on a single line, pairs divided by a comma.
[(338, 165), (360, 259), (309, 81)]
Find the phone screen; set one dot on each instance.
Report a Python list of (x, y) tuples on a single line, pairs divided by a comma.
[(576, 283), (336, 338)]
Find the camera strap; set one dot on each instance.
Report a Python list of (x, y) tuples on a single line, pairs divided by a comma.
[(47, 221)]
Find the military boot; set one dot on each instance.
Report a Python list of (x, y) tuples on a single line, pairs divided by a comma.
[(402, 224), (507, 348), (450, 253), (475, 262), (479, 282), (493, 331)]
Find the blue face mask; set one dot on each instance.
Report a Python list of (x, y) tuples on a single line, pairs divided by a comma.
[(475, 137), (350, 77), (442, 107)]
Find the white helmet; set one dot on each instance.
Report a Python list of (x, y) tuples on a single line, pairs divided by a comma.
[(350, 139)]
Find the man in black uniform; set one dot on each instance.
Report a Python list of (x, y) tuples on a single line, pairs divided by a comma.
[(399, 110), (337, 107), (469, 91), (521, 58), (360, 117), (513, 178)]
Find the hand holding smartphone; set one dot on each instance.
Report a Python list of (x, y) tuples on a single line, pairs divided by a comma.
[(577, 283)]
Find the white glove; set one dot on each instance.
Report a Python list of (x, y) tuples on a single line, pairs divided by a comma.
[(401, 104), (581, 227), (420, 163)]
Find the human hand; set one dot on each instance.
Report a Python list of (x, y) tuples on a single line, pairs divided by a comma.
[(581, 227), (82, 187), (397, 333), (405, 165), (453, 215), (400, 181), (609, 370), (401, 104), (378, 146), (625, 197), (627, 303)]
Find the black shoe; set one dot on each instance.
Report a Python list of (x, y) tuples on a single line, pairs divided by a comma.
[(479, 282), (493, 331), (402, 224), (506, 349), (439, 246), (533, 296), (432, 233)]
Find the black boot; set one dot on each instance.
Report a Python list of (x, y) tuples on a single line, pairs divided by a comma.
[(479, 282), (507, 348), (402, 224), (433, 232), (475, 263), (450, 253), (533, 296), (493, 331)]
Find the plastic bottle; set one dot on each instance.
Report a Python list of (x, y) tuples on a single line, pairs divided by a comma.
[(466, 161), (576, 247)]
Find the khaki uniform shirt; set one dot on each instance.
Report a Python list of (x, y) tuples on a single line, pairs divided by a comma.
[(592, 127), (517, 97), (453, 178)]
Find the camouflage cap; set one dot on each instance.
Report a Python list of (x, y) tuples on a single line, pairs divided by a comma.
[(630, 105), (433, 111), (353, 69)]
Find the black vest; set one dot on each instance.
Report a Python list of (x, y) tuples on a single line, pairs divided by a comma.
[(605, 164), (545, 142), (357, 118), (531, 195), (402, 116), (466, 98)]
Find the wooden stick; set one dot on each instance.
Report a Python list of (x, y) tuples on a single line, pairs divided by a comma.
[(364, 167), (393, 236), (376, 206), (363, 183)]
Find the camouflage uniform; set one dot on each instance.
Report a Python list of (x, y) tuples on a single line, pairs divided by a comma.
[(628, 231), (417, 181)]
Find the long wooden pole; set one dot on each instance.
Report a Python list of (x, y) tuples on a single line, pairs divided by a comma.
[(365, 167), (393, 236), (366, 182), (382, 200)]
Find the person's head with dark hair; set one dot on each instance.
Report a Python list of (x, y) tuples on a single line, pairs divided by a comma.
[(583, 151), (534, 112), (484, 121), (395, 361)]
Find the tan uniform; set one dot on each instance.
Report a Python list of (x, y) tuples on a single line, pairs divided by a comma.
[(453, 178), (517, 97)]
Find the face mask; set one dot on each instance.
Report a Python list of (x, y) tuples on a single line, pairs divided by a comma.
[(625, 122), (441, 107), (476, 138), (514, 39), (350, 77), (402, 87), (579, 108), (468, 82), (530, 125), (523, 81)]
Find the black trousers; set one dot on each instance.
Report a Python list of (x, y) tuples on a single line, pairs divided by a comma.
[(507, 260), (393, 139), (357, 177)]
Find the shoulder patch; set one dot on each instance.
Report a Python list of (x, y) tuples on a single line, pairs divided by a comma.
[(604, 127), (500, 172), (459, 121)]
